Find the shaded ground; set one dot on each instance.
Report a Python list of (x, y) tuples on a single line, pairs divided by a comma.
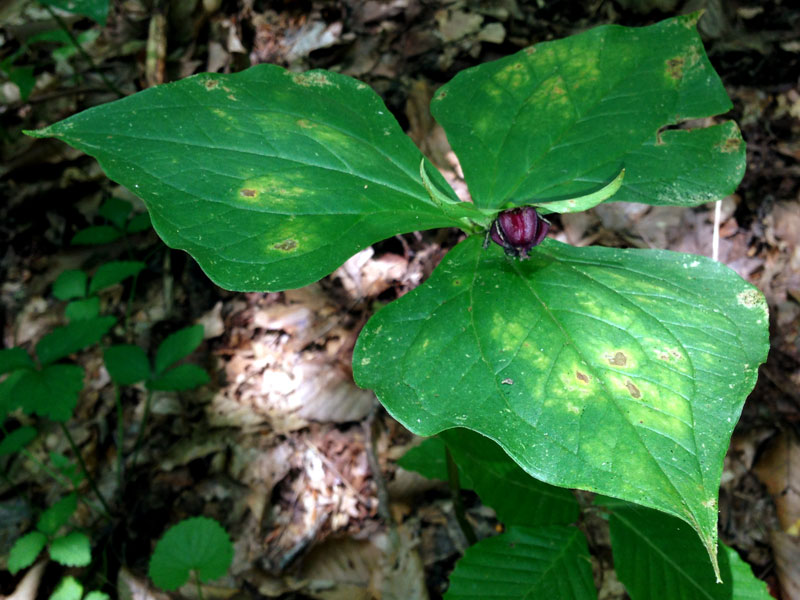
[(281, 447)]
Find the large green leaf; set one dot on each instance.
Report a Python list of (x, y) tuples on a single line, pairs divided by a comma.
[(559, 119), (658, 556), (545, 562), (270, 179), (520, 499), (617, 371)]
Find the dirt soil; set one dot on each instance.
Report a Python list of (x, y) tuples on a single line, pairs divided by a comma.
[(281, 447)]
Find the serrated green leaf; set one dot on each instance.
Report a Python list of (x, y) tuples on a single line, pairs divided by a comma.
[(70, 284), (182, 377), (198, 544), (113, 272), (521, 499), (67, 468), (559, 119), (72, 550), (96, 235), (116, 211), (52, 392), (17, 440), (616, 371), (127, 364), (68, 588), (139, 222), (57, 515), (15, 358), (659, 556), (545, 562), (63, 341), (269, 179), (177, 345), (25, 550), (746, 586), (96, 10), (83, 309)]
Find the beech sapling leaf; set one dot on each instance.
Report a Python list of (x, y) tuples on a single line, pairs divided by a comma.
[(542, 562)]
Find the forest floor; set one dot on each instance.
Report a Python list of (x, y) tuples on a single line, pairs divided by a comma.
[(281, 447)]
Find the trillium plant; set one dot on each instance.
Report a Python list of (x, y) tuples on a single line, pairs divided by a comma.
[(618, 371)]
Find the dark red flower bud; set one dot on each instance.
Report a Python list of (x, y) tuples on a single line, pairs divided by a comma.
[(518, 230)]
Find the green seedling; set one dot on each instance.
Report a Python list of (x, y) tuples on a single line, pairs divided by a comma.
[(199, 545), (50, 389), (120, 221), (128, 364), (621, 372), (75, 286), (71, 549)]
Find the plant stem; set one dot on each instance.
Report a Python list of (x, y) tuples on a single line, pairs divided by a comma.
[(120, 435), (458, 505), (108, 83), (85, 470), (140, 435), (199, 587)]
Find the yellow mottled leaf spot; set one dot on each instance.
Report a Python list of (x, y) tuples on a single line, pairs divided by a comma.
[(211, 83), (311, 79), (286, 245), (675, 67), (248, 193), (730, 145), (582, 377), (573, 409)]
